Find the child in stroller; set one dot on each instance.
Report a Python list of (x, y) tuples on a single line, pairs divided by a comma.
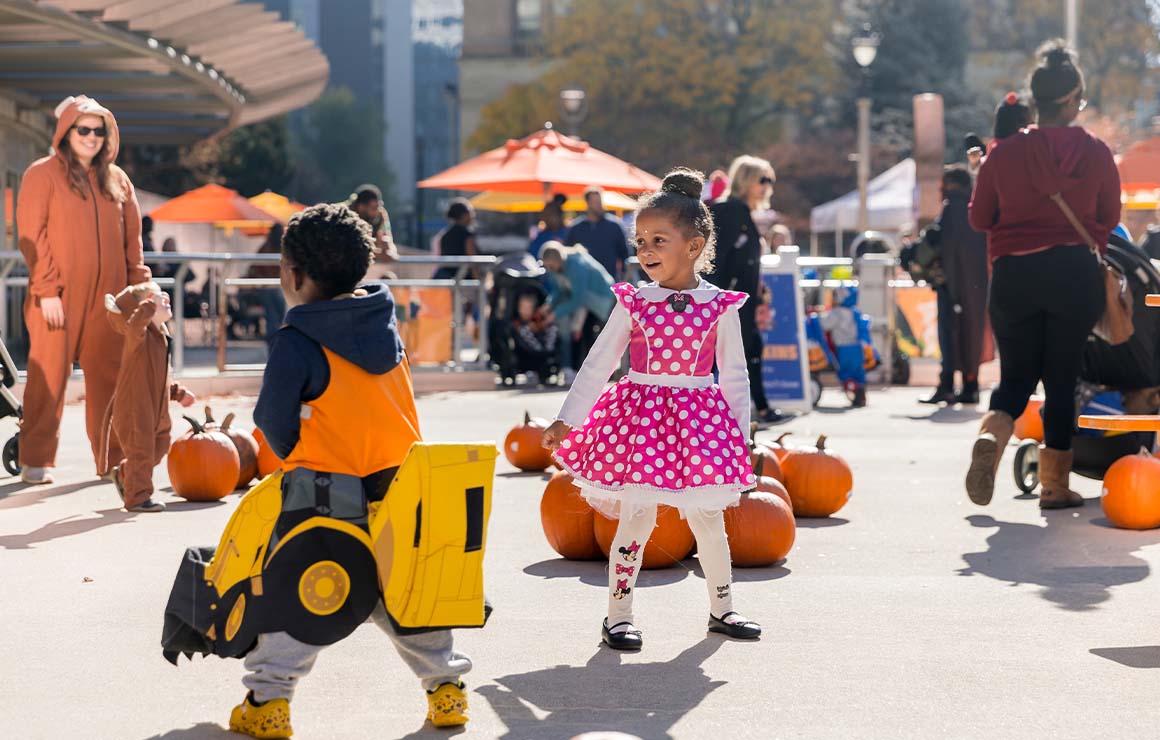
[(522, 336), (9, 406)]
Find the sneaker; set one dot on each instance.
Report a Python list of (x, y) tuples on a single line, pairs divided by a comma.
[(268, 720), (569, 375), (35, 476), (447, 705), (148, 506)]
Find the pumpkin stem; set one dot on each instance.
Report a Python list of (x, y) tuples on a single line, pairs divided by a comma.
[(760, 466), (780, 440), (227, 421), (822, 442), (208, 415), (527, 418), (198, 428)]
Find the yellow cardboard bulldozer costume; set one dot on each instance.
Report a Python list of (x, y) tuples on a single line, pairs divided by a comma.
[(317, 571)]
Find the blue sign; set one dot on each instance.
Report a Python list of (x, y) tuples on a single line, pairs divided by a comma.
[(784, 366)]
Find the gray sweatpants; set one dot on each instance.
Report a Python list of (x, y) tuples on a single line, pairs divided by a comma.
[(278, 660)]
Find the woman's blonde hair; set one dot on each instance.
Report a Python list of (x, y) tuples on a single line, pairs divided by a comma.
[(745, 171)]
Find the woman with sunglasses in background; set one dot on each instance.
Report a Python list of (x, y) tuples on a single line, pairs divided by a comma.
[(738, 262), (1047, 288), (80, 233)]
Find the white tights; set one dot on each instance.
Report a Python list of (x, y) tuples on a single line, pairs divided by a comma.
[(627, 553)]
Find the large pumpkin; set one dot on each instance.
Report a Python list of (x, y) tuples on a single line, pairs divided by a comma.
[(1131, 492), (567, 520), (766, 484), (1029, 425), (524, 446), (203, 465), (765, 463), (761, 530), (268, 462), (248, 450), (780, 448), (671, 540), (819, 482)]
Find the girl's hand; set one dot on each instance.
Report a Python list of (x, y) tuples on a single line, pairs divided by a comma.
[(555, 434), (53, 311)]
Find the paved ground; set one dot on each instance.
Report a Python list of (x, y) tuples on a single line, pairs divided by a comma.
[(911, 614)]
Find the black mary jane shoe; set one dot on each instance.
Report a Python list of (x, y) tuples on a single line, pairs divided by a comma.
[(628, 640), (742, 630)]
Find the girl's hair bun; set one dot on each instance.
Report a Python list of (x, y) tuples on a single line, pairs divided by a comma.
[(1056, 54), (683, 181)]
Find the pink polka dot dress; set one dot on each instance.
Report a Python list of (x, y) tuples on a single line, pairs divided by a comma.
[(666, 433)]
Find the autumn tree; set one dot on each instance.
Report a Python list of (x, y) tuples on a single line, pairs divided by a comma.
[(677, 81)]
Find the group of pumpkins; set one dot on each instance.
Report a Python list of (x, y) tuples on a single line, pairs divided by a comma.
[(1131, 488), (210, 461), (791, 481)]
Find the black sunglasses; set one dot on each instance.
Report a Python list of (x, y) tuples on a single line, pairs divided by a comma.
[(101, 132), (766, 180)]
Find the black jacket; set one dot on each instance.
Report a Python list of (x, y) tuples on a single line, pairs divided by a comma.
[(738, 263)]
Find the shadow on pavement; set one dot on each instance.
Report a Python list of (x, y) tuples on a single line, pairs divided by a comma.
[(200, 731), (1145, 656), (820, 522), (11, 497), (944, 415), (595, 573), (68, 527), (1076, 558), (644, 699)]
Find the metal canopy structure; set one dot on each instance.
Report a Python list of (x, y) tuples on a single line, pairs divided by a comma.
[(173, 71)]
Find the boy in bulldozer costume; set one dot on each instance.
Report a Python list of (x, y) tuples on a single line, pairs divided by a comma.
[(337, 405)]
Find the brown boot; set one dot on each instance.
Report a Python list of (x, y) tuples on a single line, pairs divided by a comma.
[(1054, 472), (994, 433)]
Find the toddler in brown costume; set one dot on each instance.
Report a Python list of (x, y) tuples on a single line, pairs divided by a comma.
[(139, 413)]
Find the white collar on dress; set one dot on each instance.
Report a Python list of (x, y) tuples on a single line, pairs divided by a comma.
[(703, 293)]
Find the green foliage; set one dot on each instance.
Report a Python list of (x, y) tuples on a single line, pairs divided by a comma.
[(339, 147), (256, 158)]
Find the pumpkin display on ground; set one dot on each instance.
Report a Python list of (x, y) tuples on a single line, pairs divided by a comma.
[(818, 480), (1131, 492), (245, 443), (1029, 425), (780, 448), (671, 540), (765, 463), (766, 484), (268, 462), (567, 520), (524, 447), (203, 464), (761, 530)]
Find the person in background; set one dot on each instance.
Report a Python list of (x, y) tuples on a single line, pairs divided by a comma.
[(272, 300), (1047, 288), (975, 149), (458, 239), (581, 301), (738, 263), (600, 234), (367, 202), (552, 227), (778, 236), (1011, 117)]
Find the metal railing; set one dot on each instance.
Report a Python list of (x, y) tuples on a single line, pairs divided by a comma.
[(220, 284)]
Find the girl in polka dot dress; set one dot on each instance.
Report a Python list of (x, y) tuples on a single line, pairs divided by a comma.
[(666, 433)]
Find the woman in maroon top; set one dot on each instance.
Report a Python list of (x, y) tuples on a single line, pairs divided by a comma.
[(1047, 291)]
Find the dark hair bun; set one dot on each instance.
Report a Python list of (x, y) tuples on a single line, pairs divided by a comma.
[(684, 181), (1055, 54)]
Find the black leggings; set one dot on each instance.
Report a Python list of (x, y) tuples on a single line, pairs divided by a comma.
[(754, 347), (1043, 307)]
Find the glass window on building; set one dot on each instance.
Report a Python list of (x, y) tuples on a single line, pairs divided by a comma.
[(529, 19)]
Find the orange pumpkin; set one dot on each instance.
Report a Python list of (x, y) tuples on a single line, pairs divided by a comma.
[(761, 530), (766, 484), (1029, 425), (765, 463), (524, 446), (819, 482), (671, 540), (780, 448), (247, 448), (567, 520), (268, 462), (203, 464), (1131, 492)]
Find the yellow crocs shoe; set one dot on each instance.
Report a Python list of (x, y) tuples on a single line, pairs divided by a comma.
[(447, 705), (269, 720)]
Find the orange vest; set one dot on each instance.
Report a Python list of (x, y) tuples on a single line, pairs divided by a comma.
[(361, 424)]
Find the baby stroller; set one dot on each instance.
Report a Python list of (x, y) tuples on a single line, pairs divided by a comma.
[(516, 274), (9, 406), (1111, 376)]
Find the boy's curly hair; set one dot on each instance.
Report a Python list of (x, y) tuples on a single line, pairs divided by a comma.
[(332, 245)]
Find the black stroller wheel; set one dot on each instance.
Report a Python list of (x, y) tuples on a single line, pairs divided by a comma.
[(1027, 465), (12, 455)]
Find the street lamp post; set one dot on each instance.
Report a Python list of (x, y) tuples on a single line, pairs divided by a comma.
[(574, 101), (865, 50)]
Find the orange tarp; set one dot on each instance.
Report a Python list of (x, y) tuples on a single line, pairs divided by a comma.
[(1140, 165), (546, 161), (211, 204)]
